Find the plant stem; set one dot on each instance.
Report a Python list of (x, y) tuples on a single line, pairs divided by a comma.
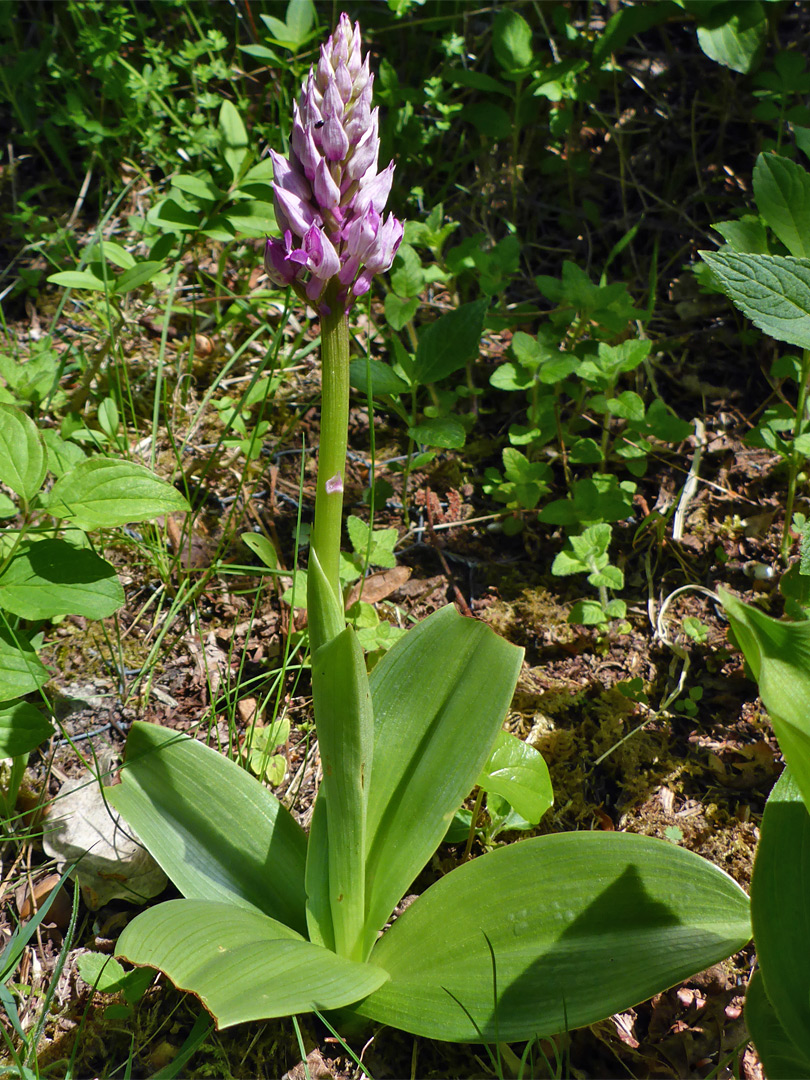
[(793, 468), (326, 533)]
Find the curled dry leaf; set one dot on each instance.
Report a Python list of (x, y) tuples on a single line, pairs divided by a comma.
[(113, 864)]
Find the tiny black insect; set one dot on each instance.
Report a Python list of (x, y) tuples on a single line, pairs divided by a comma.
[(320, 123)]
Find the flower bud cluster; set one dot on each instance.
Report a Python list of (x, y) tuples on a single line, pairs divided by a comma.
[(329, 197)]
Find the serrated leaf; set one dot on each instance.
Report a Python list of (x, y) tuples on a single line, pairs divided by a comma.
[(23, 461), (772, 290), (734, 34), (106, 492), (782, 191)]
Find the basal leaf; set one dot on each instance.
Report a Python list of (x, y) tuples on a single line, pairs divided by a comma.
[(22, 454), (217, 832), (772, 290), (106, 492), (54, 577), (581, 925), (241, 964), (439, 698), (780, 1057), (780, 913)]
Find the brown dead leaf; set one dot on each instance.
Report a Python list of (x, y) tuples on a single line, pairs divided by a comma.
[(378, 586)]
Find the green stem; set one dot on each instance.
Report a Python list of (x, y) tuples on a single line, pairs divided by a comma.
[(326, 533), (795, 459)]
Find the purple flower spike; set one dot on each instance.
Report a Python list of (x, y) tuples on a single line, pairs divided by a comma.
[(329, 196)]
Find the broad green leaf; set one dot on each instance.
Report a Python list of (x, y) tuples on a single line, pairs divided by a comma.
[(62, 455), (112, 252), (137, 275), (399, 311), (780, 1057), (168, 214), (218, 833), (444, 431), (746, 236), (343, 716), (439, 697), (447, 344), (54, 577), (106, 492), (77, 279), (21, 671), (734, 34), (782, 191), (243, 965), (384, 381), (105, 974), (262, 547), (254, 217), (518, 773), (778, 654), (772, 290), (581, 925), (22, 728), (22, 454), (780, 904), (201, 187), (512, 41)]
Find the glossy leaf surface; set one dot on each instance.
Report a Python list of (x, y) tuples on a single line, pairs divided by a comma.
[(518, 773), (439, 696), (780, 908), (54, 577), (22, 454), (241, 964), (581, 925), (780, 1057), (215, 830)]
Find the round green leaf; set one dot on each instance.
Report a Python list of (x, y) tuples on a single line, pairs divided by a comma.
[(519, 773), (105, 492)]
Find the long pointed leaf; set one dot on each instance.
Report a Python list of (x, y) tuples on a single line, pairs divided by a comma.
[(343, 716), (217, 832), (780, 909), (241, 964), (440, 696), (780, 1057), (581, 925)]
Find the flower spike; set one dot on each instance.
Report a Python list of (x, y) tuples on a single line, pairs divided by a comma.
[(329, 197)]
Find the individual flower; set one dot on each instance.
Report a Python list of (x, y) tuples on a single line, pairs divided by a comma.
[(329, 197)]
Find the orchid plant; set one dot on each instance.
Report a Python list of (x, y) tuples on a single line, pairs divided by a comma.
[(555, 931)]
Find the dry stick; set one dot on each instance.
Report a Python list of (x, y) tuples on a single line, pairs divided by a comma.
[(462, 603)]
